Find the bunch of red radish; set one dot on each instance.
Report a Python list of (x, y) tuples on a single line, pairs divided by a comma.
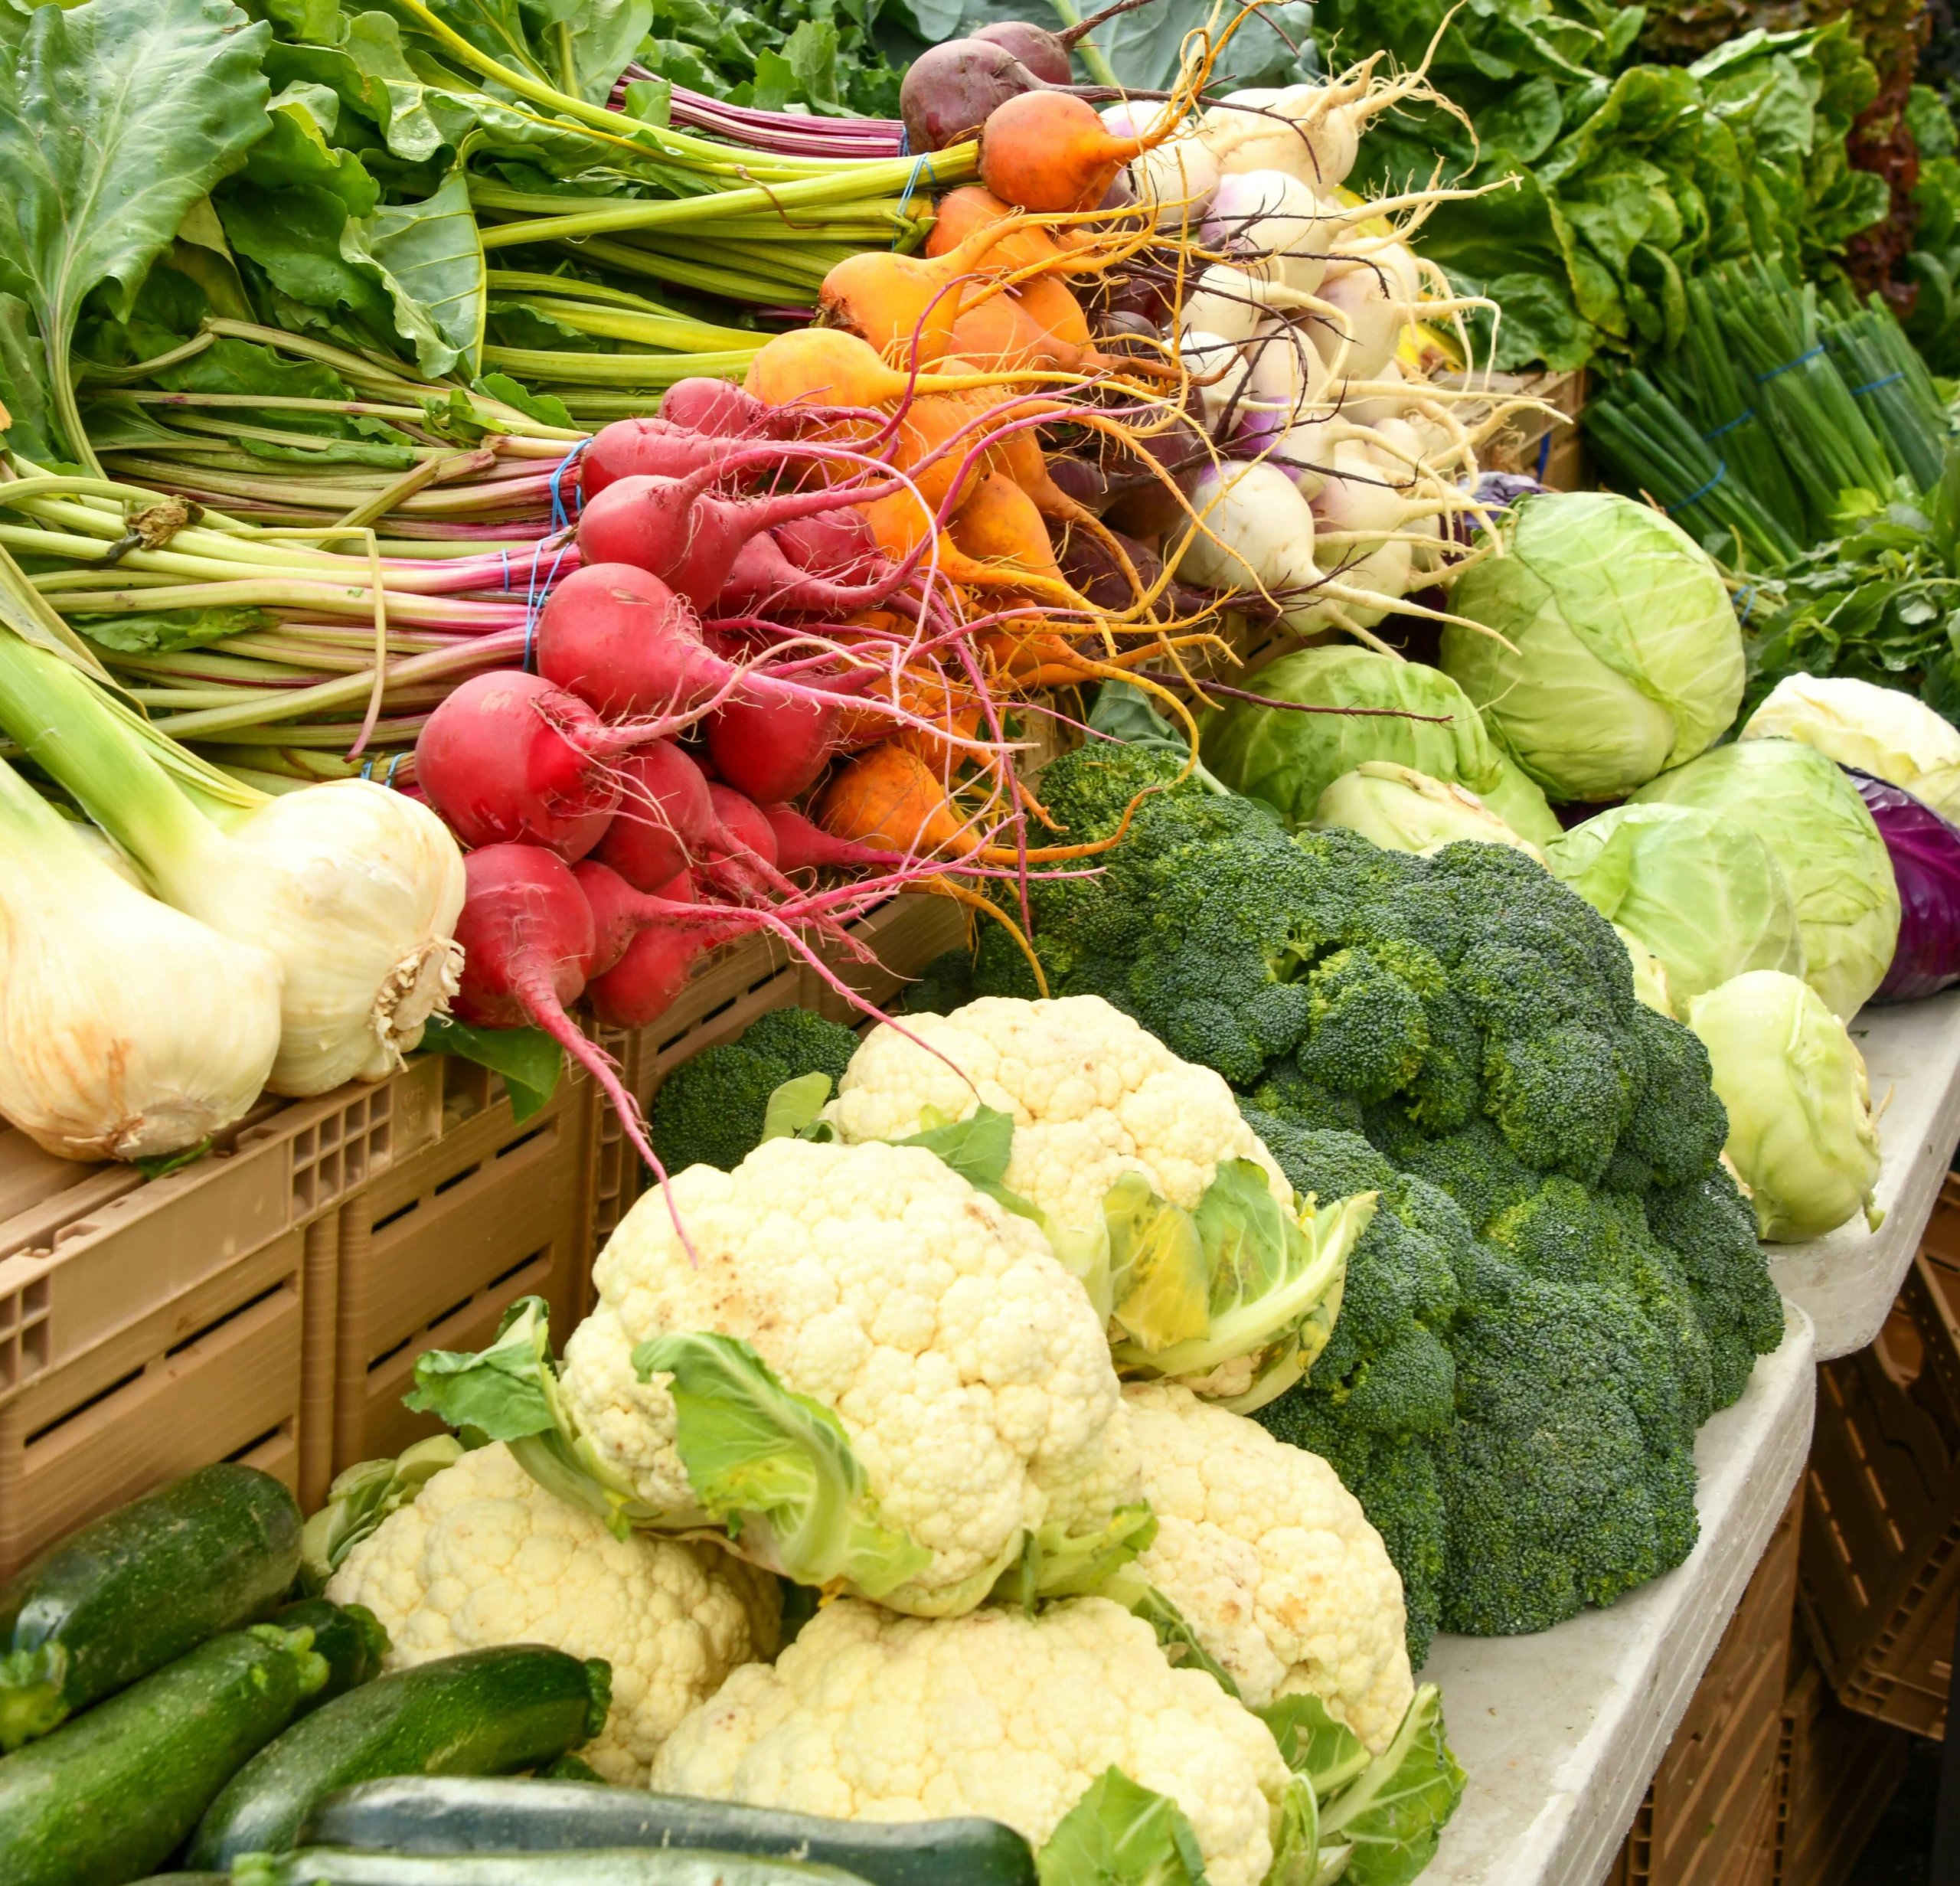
[(604, 858)]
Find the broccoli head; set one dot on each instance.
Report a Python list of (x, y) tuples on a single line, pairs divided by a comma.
[(1569, 1475), (1559, 1284), (709, 1110)]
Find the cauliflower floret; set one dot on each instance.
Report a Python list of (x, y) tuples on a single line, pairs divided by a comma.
[(871, 1717), (485, 1555), (1271, 1561), (967, 1368), (1093, 1096)]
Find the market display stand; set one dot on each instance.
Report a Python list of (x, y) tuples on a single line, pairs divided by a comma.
[(1560, 1732), (1846, 1282)]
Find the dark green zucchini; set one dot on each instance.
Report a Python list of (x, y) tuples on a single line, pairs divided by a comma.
[(135, 1588), (633, 1866), (111, 1795), (569, 1768), (456, 1815), (349, 1636), (487, 1712)]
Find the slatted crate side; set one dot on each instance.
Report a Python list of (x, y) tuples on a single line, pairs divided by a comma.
[(432, 1252), (1838, 1773), (81, 1262), (215, 1374), (1881, 1567), (1709, 1817)]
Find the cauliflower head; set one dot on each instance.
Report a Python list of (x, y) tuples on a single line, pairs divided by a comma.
[(868, 1716), (1271, 1562), (968, 1371), (1092, 1094), (485, 1555)]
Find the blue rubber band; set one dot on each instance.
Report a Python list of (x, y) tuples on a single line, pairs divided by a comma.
[(368, 767), (1744, 602), (561, 519), (1812, 354), (1695, 497), (1729, 425), (392, 764), (535, 599), (918, 165), (1872, 386), (1544, 457)]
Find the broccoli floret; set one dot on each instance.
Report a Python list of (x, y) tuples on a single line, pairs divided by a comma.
[(1601, 1241), (709, 1110), (1367, 1033), (1710, 1230), (1562, 1097), (1476, 1166), (1395, 1478), (945, 984), (1568, 1475), (1678, 1129), (1287, 1095)]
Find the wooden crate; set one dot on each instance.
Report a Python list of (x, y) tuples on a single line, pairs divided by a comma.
[(1710, 1817), (1881, 1566)]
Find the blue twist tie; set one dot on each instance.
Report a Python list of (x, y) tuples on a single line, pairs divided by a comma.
[(534, 601), (506, 556), (1810, 353), (1544, 457), (1744, 602), (392, 764), (1696, 496), (1729, 425), (1872, 386), (919, 164)]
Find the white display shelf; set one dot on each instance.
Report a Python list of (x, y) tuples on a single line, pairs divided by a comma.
[(1846, 1281), (1559, 1733)]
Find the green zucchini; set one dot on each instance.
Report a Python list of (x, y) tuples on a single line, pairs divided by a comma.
[(112, 1795), (350, 1636), (135, 1588), (487, 1712), (569, 1768), (633, 1866), (460, 1815)]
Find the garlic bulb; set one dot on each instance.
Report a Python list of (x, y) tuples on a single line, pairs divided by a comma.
[(128, 1030)]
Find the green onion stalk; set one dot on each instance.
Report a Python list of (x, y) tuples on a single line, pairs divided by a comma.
[(1827, 441), (1890, 381), (1650, 445)]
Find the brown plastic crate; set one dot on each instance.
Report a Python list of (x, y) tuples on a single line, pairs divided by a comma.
[(1837, 1774), (1881, 1564), (1710, 1816), (740, 984), (147, 1328), (430, 1254)]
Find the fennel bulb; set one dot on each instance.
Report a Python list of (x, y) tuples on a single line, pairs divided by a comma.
[(128, 1030), (354, 889)]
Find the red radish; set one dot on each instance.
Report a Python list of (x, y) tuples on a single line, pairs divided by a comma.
[(722, 407), (527, 937), (645, 983), (666, 819), (802, 846), (508, 755), (741, 820), (651, 447), (688, 536), (620, 912), (833, 543), (620, 639), (764, 577), (772, 748)]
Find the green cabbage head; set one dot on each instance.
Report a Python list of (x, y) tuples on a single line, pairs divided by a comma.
[(1801, 1136), (1701, 892), (1288, 759), (1627, 659), (1810, 815), (1403, 810), (1893, 736)]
